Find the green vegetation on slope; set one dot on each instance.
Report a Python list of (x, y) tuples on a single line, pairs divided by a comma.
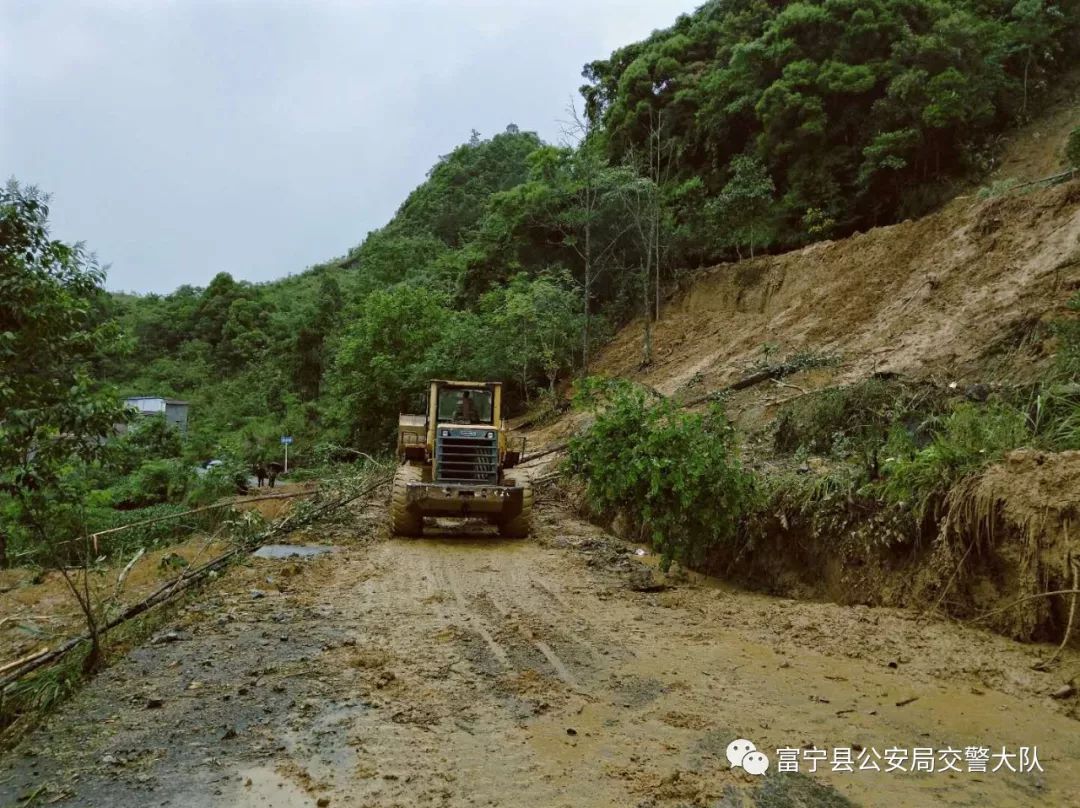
[(484, 272)]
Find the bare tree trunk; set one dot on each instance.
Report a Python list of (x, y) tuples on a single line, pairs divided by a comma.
[(586, 291), (646, 348), (3, 550), (585, 328), (647, 342), (86, 605), (659, 176), (656, 244), (1027, 64)]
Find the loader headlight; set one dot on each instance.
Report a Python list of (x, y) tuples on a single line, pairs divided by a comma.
[(446, 433), (490, 435)]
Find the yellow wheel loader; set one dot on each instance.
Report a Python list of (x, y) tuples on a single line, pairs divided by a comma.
[(456, 460)]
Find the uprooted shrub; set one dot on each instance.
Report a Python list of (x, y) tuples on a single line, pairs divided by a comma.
[(965, 441), (676, 475), (854, 420)]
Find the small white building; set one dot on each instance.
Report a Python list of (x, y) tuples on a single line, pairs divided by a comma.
[(174, 411)]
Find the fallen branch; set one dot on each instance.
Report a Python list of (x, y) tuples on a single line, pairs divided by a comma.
[(1053, 178), (173, 587), (24, 660), (358, 453), (547, 478), (243, 499), (95, 536), (802, 390), (240, 500), (558, 447), (773, 372), (127, 571), (30, 617), (1024, 599)]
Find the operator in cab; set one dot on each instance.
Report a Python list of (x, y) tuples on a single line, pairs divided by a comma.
[(466, 409)]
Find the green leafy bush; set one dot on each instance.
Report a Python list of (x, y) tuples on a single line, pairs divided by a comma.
[(219, 482), (673, 473), (153, 483), (147, 439)]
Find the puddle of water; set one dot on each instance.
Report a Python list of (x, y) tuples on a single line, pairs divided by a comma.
[(278, 551), (269, 789), (322, 744)]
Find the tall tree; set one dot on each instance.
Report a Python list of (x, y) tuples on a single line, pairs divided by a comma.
[(589, 224), (641, 200), (742, 208)]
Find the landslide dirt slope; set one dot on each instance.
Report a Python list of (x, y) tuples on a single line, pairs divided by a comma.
[(942, 295)]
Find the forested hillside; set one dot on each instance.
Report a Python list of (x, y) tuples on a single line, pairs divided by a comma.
[(843, 114), (745, 126)]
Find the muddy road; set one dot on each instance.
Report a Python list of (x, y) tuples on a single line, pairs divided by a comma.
[(557, 671)]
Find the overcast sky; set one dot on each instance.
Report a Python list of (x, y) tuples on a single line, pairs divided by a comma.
[(180, 139)]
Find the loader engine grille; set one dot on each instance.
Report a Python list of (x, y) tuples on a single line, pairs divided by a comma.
[(467, 456)]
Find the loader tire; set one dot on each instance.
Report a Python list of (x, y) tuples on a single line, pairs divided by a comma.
[(405, 522), (518, 527)]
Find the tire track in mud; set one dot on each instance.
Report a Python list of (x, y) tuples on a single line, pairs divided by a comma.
[(467, 618), (567, 614), (515, 622), (547, 621)]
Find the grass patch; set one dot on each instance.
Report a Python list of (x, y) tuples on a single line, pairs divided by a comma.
[(963, 442)]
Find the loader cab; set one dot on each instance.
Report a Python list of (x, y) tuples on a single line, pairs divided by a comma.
[(466, 405), (469, 413), (465, 436), (453, 403), (457, 460)]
